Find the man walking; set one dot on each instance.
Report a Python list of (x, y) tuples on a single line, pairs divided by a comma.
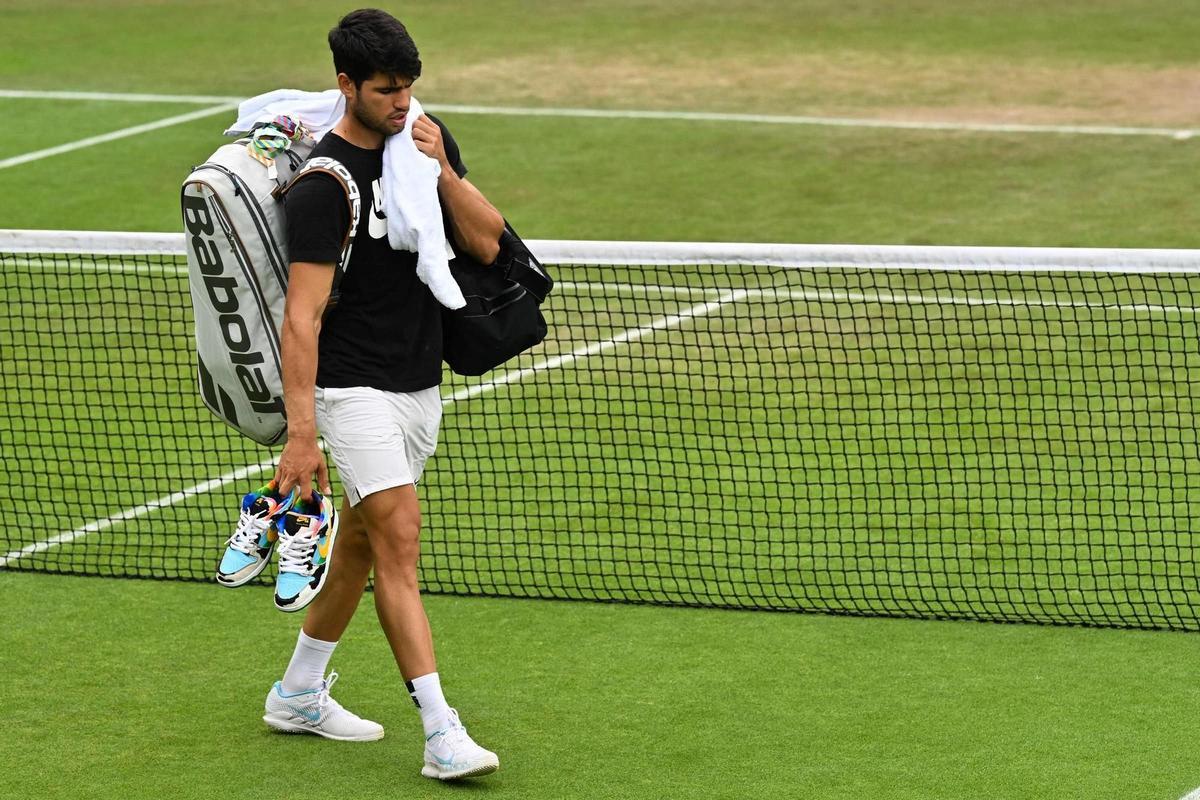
[(365, 372)]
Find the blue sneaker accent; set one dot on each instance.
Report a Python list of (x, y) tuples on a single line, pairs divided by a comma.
[(290, 584), (311, 716), (306, 541), (234, 561), (312, 713)]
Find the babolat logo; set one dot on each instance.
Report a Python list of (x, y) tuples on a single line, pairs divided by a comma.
[(222, 292)]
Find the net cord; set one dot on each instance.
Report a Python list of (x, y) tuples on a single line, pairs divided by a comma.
[(800, 256)]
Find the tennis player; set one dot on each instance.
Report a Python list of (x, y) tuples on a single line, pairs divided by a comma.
[(367, 377)]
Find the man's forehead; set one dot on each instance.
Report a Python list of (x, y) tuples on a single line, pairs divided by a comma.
[(385, 81)]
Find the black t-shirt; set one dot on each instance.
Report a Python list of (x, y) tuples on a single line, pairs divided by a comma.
[(386, 329)]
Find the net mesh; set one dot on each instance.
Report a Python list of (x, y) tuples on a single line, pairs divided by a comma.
[(999, 442)]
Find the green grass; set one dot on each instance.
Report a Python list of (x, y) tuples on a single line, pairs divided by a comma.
[(167, 41), (150, 690), (556, 179), (42, 124), (625, 179)]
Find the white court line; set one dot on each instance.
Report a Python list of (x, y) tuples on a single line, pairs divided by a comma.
[(87, 266), (903, 298), (837, 122), (625, 337), (700, 116), (514, 376), (137, 511), (636, 289), (125, 97), (108, 137)]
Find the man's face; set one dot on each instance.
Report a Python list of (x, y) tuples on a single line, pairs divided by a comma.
[(381, 103)]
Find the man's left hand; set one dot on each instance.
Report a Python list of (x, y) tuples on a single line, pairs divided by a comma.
[(427, 136)]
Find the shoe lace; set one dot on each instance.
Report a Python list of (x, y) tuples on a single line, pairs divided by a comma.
[(323, 699), (249, 530), (455, 733), (295, 550)]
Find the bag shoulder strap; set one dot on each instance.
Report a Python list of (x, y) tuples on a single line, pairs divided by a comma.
[(336, 169)]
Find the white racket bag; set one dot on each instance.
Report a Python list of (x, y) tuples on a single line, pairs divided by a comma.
[(236, 236)]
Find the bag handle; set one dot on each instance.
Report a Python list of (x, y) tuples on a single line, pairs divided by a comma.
[(522, 266)]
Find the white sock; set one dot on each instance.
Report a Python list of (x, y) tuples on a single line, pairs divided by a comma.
[(306, 670), (426, 692)]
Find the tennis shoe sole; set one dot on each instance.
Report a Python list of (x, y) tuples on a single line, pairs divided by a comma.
[(286, 723), (430, 771)]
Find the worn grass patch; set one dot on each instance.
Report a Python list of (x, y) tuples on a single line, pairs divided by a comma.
[(1077, 61), (895, 86)]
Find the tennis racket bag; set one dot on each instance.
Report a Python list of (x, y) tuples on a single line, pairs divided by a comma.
[(236, 241), (502, 316)]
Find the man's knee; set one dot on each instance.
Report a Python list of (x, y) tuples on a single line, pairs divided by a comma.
[(398, 542)]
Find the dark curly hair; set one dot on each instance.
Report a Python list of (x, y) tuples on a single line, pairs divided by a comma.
[(368, 41)]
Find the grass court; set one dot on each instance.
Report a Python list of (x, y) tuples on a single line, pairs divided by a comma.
[(144, 688)]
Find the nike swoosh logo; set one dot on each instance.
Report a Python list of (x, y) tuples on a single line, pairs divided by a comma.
[(377, 221), (311, 716)]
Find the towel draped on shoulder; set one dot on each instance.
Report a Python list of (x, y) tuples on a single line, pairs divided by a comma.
[(414, 213)]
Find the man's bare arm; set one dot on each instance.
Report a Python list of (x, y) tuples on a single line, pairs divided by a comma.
[(308, 292), (476, 223)]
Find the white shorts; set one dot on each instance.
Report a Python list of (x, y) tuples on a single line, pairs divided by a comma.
[(378, 439)]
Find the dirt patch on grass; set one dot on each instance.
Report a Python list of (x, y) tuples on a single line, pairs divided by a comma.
[(848, 84)]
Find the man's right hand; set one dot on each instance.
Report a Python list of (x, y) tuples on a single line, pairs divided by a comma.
[(300, 461), (307, 293)]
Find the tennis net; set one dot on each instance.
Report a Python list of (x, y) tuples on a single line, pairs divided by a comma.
[(968, 433)]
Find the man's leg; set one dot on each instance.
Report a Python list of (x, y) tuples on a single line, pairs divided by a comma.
[(393, 519), (330, 613), (349, 568), (393, 522), (295, 703)]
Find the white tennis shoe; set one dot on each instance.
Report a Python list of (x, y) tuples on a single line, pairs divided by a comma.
[(314, 711), (451, 753)]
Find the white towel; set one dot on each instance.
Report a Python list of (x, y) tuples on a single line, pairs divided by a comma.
[(410, 178), (414, 213), (319, 111)]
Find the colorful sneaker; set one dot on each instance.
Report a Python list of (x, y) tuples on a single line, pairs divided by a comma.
[(451, 754), (306, 537), (314, 711), (249, 549)]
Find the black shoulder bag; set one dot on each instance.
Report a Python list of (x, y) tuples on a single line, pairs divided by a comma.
[(502, 316)]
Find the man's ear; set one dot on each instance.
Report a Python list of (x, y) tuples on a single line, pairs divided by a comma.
[(345, 85)]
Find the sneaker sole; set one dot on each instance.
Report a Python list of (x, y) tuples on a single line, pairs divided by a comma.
[(288, 724), (243, 581), (473, 772), (301, 601)]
